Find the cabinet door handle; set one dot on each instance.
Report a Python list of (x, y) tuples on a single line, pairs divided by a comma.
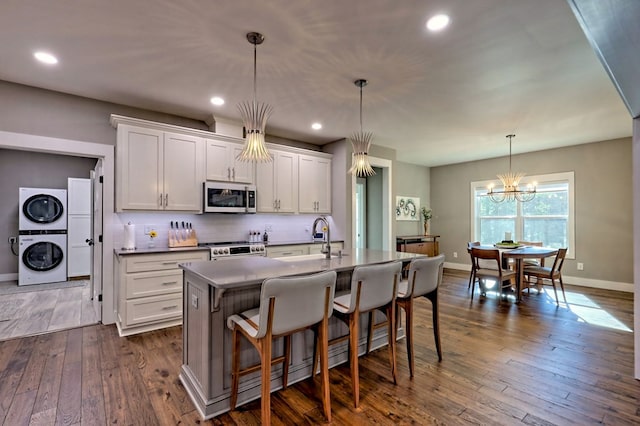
[(169, 283), (168, 308), (160, 200), (278, 204), (228, 172), (233, 174), (166, 200), (170, 263)]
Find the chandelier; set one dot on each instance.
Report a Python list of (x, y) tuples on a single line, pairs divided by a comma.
[(254, 116), (361, 142), (510, 182)]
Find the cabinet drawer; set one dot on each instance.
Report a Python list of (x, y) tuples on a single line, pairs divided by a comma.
[(153, 309), (143, 284), (287, 251), (162, 262)]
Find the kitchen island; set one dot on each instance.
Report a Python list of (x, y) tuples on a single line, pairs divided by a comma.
[(215, 290)]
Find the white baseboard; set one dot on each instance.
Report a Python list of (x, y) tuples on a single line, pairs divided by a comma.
[(9, 277), (577, 281)]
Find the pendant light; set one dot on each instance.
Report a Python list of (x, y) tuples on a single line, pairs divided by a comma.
[(510, 182), (254, 116), (361, 142)]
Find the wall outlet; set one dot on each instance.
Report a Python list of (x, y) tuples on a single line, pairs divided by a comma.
[(580, 266), (194, 301), (268, 227), (13, 240), (455, 254)]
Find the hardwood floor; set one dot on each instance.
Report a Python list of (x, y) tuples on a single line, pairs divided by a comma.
[(37, 312), (530, 363)]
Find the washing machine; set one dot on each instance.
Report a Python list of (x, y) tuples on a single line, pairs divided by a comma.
[(43, 257), (42, 209)]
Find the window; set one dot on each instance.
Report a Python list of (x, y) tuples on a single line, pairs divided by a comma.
[(549, 217)]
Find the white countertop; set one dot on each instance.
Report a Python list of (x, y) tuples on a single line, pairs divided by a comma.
[(243, 271)]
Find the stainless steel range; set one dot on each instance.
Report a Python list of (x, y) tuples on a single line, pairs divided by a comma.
[(235, 248)]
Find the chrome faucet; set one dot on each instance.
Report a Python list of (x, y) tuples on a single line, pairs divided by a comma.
[(326, 251)]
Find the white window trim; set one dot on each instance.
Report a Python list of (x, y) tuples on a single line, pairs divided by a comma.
[(539, 179)]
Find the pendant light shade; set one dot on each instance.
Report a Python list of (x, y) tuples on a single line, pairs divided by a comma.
[(510, 185), (254, 116), (361, 142)]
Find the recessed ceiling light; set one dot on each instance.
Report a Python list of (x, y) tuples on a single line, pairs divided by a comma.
[(46, 58), (216, 100), (316, 126), (437, 22)]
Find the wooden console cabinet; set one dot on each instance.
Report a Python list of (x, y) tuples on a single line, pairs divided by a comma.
[(423, 244)]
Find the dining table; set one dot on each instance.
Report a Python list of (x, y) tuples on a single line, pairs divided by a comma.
[(518, 255)]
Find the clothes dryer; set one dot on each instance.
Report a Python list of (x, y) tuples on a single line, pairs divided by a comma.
[(42, 209), (43, 257)]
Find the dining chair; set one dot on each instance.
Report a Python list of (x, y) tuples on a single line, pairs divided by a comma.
[(474, 266), (287, 305), (425, 277), (373, 287), (532, 262), (485, 259), (552, 273)]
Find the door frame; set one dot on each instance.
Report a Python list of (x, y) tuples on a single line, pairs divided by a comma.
[(387, 189), (35, 143)]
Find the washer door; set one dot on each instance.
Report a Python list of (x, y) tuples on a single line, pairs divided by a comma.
[(42, 256), (42, 208)]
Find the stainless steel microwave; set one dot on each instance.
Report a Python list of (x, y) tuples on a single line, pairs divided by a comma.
[(223, 197)]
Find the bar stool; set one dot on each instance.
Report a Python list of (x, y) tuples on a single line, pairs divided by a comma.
[(372, 287), (425, 277), (287, 305)]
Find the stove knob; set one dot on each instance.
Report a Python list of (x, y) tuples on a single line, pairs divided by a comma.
[(261, 248), (215, 251), (226, 251)]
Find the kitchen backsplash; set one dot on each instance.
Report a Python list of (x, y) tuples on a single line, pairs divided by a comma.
[(216, 227)]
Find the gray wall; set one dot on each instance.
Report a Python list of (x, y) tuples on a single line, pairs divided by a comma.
[(42, 112), (412, 181), (603, 204), (35, 170)]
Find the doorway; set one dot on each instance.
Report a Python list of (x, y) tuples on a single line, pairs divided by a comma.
[(43, 144), (372, 207)]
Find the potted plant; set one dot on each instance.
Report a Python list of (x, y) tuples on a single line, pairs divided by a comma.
[(426, 215)]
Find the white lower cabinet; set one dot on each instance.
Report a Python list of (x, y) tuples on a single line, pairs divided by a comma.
[(150, 290)]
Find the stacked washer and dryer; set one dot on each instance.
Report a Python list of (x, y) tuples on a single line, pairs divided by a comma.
[(42, 236)]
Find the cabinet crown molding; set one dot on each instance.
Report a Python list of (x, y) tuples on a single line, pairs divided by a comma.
[(116, 119)]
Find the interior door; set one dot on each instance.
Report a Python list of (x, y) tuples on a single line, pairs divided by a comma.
[(96, 237), (361, 213)]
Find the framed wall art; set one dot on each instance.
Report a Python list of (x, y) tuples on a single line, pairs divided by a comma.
[(407, 208)]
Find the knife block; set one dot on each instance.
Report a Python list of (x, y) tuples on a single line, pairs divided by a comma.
[(191, 241)]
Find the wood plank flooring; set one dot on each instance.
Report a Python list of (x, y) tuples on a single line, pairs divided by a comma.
[(36, 312), (504, 363)]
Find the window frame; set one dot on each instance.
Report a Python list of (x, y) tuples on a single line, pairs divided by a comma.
[(564, 177)]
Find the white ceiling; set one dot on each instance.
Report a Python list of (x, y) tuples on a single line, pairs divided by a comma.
[(502, 66)]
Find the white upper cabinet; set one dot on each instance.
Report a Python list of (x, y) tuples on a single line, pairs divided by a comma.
[(314, 184), (277, 183), (158, 170), (162, 167), (222, 164), (183, 170)]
